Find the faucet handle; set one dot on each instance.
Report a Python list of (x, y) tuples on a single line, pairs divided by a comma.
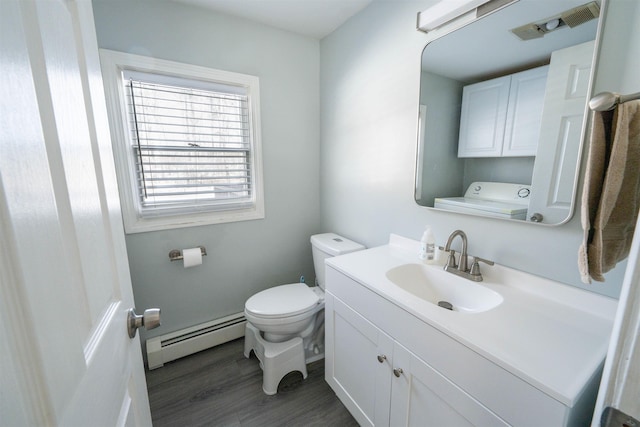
[(476, 259), (475, 266), (451, 261)]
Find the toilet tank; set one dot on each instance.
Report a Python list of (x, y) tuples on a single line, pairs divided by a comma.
[(329, 245)]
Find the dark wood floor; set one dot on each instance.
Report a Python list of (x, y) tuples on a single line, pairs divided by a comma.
[(219, 387)]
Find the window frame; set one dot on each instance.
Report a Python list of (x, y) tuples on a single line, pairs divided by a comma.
[(113, 64)]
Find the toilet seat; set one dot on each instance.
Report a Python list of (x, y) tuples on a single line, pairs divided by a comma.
[(282, 301)]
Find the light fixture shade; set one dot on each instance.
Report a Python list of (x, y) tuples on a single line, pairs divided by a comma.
[(444, 11)]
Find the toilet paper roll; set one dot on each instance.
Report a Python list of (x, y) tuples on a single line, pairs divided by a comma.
[(191, 257)]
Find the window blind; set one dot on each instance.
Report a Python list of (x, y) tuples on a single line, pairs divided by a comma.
[(191, 145)]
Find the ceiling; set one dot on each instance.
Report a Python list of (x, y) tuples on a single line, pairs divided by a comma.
[(313, 18), (487, 47)]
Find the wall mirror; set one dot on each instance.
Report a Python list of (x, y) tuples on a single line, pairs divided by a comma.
[(503, 111)]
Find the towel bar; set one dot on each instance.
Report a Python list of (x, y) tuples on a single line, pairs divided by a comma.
[(606, 101)]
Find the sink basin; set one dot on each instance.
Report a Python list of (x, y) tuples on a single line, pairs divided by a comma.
[(438, 287)]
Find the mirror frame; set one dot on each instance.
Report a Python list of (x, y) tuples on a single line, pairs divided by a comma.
[(469, 18)]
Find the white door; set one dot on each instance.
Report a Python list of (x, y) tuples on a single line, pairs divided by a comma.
[(557, 159), (66, 357), (620, 385)]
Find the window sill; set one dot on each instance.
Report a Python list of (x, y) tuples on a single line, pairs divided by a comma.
[(143, 225)]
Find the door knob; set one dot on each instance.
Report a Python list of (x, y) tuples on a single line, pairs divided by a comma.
[(536, 217), (382, 358), (397, 372), (149, 319)]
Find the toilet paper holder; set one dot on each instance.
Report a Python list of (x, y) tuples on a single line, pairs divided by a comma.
[(176, 254)]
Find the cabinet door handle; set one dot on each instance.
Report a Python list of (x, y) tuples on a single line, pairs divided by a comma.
[(382, 358), (397, 372)]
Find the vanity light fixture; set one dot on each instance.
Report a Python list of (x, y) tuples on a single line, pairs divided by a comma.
[(448, 10), (444, 11)]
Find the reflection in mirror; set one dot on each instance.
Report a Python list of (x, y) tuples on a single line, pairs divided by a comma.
[(503, 101)]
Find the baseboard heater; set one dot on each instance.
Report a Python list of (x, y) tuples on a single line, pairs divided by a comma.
[(175, 345)]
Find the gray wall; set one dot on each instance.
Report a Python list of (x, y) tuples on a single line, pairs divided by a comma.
[(620, 58), (243, 257), (443, 169), (517, 170), (369, 96)]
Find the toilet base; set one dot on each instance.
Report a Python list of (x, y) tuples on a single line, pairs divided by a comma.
[(276, 359)]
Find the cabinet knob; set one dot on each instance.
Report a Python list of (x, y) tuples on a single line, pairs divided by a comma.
[(382, 358), (397, 372)]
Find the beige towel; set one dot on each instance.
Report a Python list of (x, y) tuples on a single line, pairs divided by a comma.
[(611, 192)]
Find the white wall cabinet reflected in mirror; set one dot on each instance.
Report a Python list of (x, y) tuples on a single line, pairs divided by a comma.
[(501, 117)]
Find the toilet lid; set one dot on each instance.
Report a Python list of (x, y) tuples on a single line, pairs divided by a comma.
[(283, 300)]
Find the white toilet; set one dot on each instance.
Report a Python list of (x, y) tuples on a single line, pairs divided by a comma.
[(285, 324)]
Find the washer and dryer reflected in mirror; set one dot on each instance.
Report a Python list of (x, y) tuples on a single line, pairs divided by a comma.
[(503, 101)]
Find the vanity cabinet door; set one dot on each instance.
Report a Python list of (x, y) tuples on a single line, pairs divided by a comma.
[(423, 397), (483, 118), (358, 358)]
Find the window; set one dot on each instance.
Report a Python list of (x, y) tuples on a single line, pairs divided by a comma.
[(186, 142)]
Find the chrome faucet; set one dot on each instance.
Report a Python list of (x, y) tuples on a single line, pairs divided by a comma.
[(452, 266), (451, 262)]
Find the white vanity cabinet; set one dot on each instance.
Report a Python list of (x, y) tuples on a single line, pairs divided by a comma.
[(382, 383), (501, 117), (390, 368)]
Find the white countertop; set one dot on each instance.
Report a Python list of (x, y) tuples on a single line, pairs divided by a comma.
[(551, 335)]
